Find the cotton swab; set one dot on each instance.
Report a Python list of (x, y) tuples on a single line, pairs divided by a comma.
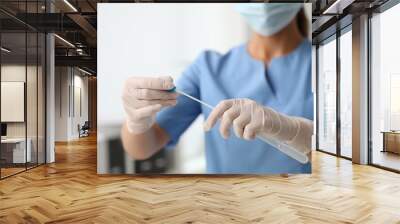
[(191, 97)]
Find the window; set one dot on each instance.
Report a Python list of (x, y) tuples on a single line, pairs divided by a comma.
[(385, 89), (327, 97), (346, 94)]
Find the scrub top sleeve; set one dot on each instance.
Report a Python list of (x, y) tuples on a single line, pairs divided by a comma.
[(175, 120)]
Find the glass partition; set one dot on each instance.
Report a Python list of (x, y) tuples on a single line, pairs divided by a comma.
[(32, 86), (14, 153), (23, 89), (31, 100)]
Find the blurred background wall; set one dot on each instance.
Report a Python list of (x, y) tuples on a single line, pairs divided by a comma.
[(153, 40)]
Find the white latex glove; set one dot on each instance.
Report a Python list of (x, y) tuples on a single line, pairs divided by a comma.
[(142, 98), (250, 119)]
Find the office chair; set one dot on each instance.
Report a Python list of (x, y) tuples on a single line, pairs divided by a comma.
[(84, 130)]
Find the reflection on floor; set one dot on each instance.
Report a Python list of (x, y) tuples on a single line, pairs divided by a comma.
[(387, 159), (70, 191), (347, 152), (10, 170)]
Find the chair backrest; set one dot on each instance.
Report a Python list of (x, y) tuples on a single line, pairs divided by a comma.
[(86, 124)]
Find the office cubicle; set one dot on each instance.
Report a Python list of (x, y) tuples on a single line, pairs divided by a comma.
[(22, 77)]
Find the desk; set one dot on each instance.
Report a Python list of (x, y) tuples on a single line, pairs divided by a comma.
[(391, 141), (15, 148)]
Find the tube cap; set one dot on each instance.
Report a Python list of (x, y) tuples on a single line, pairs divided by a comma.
[(171, 90)]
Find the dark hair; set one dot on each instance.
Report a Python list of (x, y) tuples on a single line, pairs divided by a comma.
[(302, 22)]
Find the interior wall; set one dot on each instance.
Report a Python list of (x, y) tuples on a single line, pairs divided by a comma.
[(92, 107), (71, 102), (80, 109), (62, 80)]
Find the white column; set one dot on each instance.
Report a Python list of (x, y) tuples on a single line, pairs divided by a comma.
[(50, 99), (314, 91), (360, 90)]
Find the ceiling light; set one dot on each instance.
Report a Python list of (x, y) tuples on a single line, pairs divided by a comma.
[(331, 7), (5, 50), (84, 71), (65, 41), (79, 51), (337, 7), (70, 5)]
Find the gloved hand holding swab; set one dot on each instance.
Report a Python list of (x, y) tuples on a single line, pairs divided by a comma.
[(142, 98)]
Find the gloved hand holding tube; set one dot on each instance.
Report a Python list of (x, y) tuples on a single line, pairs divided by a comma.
[(250, 119), (291, 135), (142, 98)]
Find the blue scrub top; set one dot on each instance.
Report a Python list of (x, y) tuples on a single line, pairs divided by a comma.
[(285, 85)]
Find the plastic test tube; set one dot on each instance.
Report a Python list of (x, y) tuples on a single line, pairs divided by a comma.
[(287, 149)]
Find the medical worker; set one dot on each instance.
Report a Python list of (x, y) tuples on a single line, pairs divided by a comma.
[(260, 88)]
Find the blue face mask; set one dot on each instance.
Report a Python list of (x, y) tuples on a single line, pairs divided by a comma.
[(268, 18)]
